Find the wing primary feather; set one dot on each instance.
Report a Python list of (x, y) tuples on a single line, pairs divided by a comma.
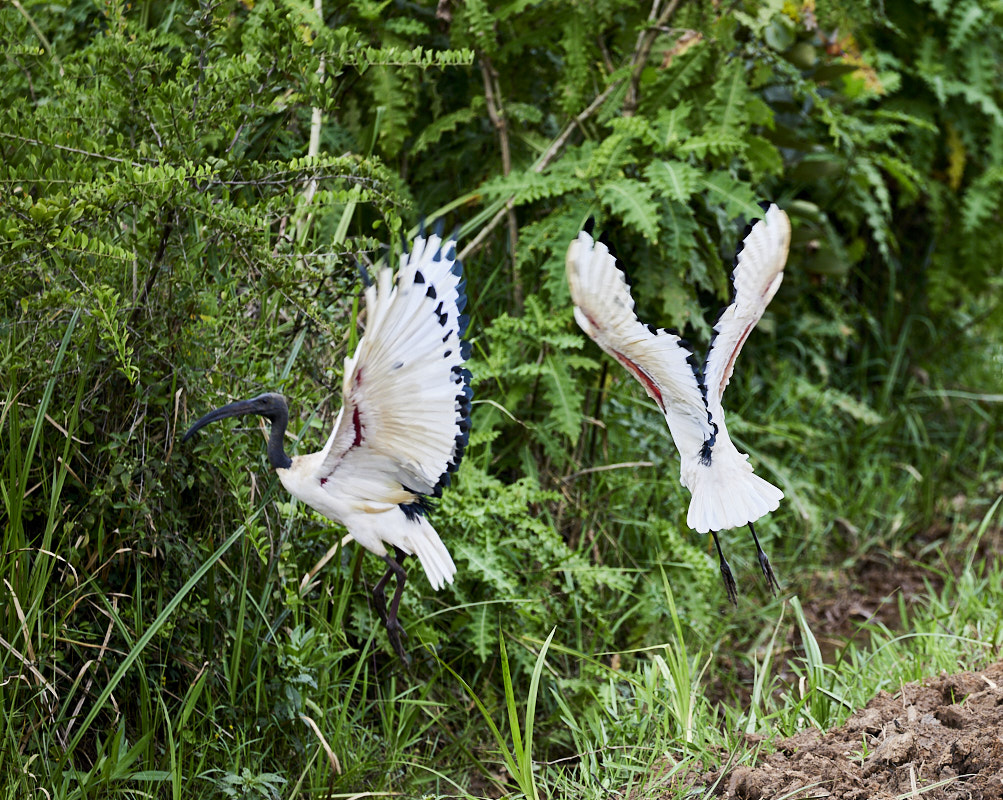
[(407, 396), (604, 309)]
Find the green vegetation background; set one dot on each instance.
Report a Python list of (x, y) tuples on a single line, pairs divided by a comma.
[(182, 188)]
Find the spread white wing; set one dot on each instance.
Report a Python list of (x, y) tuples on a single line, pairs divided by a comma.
[(659, 359), (406, 397), (759, 270)]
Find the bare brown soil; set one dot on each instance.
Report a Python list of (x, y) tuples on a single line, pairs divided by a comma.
[(941, 739)]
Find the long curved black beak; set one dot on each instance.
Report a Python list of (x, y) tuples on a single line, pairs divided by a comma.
[(272, 406), (236, 409)]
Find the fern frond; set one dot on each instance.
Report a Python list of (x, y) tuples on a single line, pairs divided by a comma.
[(982, 200), (529, 186), (631, 201), (680, 229), (731, 94), (737, 198), (965, 19), (670, 126), (676, 180), (447, 123)]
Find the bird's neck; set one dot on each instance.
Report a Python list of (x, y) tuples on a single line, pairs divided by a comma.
[(276, 454)]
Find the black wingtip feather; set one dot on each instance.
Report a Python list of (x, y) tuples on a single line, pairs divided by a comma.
[(731, 286), (461, 377), (590, 225), (416, 508), (367, 280)]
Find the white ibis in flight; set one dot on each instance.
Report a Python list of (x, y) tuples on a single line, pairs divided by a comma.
[(725, 492), (402, 427)]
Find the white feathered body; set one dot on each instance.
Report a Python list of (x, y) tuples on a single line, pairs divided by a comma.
[(726, 493), (404, 420)]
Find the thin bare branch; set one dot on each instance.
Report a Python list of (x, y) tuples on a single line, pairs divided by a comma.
[(645, 41), (606, 468), (496, 112), (544, 161), (551, 152)]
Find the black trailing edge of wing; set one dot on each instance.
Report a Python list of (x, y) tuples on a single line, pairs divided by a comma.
[(604, 239), (461, 378), (698, 373), (731, 291)]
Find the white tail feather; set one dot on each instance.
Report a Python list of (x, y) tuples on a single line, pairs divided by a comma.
[(728, 494), (422, 541)]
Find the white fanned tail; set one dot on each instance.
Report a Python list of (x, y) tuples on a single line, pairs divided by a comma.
[(728, 494), (413, 534)]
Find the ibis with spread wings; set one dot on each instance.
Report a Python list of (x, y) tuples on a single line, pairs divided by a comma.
[(402, 427), (726, 493)]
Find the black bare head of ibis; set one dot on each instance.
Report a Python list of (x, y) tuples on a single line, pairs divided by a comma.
[(271, 406)]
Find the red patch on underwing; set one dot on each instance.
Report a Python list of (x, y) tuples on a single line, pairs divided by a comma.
[(359, 427), (643, 377), (323, 481), (591, 320), (730, 366)]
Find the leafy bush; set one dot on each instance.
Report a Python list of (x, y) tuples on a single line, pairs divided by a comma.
[(184, 188)]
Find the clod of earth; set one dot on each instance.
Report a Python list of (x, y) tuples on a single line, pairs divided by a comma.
[(942, 737)]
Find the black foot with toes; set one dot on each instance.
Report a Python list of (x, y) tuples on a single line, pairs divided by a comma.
[(395, 631), (726, 574), (764, 564)]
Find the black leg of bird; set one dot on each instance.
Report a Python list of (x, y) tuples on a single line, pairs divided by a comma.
[(726, 574), (394, 629), (764, 564)]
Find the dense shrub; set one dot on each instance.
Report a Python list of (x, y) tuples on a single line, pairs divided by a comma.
[(183, 189)]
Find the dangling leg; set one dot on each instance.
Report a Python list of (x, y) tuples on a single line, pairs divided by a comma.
[(729, 579), (764, 564), (390, 621)]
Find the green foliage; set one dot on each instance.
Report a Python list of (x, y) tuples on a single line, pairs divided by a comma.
[(171, 239)]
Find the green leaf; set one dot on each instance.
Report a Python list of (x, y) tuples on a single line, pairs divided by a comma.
[(736, 197), (632, 202), (675, 179), (565, 398)]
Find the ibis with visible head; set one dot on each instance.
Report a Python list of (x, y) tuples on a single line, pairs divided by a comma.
[(726, 493), (402, 427)]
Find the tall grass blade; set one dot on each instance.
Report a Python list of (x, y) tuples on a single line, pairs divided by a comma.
[(144, 640)]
